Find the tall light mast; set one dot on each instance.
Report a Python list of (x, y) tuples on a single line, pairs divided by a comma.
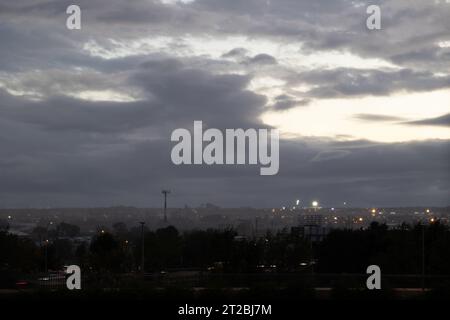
[(165, 193)]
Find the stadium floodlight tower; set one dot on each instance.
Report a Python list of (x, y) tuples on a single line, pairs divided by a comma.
[(165, 193)]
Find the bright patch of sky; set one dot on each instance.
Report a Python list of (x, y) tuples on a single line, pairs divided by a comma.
[(287, 54), (336, 117)]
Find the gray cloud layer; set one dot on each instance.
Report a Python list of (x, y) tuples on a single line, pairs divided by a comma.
[(60, 150)]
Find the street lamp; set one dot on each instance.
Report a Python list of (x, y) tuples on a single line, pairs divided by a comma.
[(142, 245), (46, 256), (422, 224), (46, 243)]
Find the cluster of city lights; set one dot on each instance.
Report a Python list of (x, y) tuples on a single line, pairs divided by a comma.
[(373, 211), (314, 204)]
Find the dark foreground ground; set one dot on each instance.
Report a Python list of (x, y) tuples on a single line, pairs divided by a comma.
[(230, 303)]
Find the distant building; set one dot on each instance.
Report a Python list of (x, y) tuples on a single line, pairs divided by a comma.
[(311, 219), (313, 227)]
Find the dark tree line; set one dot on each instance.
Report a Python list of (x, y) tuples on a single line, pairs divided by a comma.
[(396, 251)]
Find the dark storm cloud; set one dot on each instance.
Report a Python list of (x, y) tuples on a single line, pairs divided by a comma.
[(424, 56), (175, 95), (325, 24), (286, 102), (262, 59), (104, 168), (377, 117), (68, 114), (354, 82), (62, 150), (236, 52), (23, 48), (443, 121), (191, 94), (331, 25), (359, 173)]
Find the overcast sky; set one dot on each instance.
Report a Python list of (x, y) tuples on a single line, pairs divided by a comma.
[(86, 115)]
